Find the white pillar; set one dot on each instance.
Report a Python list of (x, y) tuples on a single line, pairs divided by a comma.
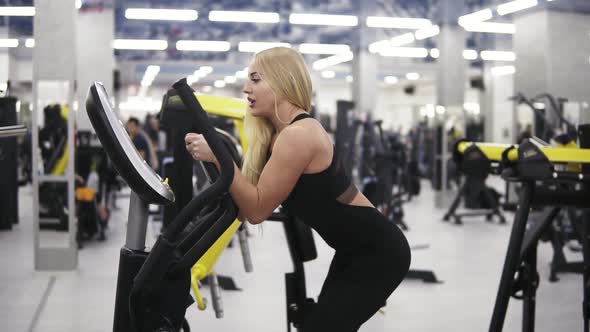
[(54, 76), (95, 56), (451, 79), (552, 54), (364, 66)]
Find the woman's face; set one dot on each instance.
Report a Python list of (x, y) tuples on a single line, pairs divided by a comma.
[(261, 99)]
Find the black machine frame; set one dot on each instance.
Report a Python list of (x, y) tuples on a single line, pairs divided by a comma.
[(542, 185), (151, 286), (476, 167)]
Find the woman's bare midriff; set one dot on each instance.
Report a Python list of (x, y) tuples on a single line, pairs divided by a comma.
[(360, 200)]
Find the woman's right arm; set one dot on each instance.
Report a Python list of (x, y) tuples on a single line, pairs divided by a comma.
[(292, 152)]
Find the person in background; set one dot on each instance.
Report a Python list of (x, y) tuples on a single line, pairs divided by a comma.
[(141, 144), (152, 128)]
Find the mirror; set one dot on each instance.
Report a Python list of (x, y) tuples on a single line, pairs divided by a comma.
[(52, 112)]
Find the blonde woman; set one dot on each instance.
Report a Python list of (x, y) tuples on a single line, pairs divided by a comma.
[(292, 161)]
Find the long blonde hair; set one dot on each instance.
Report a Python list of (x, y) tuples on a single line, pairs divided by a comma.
[(287, 75)]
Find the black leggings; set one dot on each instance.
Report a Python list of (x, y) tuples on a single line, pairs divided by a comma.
[(358, 284)]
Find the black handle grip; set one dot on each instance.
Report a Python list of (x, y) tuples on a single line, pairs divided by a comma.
[(200, 124)]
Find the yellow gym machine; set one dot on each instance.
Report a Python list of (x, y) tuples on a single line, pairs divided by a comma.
[(550, 176), (175, 118)]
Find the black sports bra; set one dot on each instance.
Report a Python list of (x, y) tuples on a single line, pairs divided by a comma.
[(327, 185)]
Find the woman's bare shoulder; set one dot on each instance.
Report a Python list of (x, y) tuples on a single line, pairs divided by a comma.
[(306, 131)]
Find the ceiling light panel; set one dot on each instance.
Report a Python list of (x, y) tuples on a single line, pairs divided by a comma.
[(503, 70), (332, 61), (140, 44), (478, 16), (498, 56), (491, 27), (203, 45), (321, 19), (243, 16), (401, 40), (405, 52), (427, 32), (323, 48), (514, 6), (10, 43), (470, 54), (398, 22), (255, 47), (17, 11), (161, 14)]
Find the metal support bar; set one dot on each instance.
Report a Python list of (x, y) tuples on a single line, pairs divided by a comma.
[(12, 131), (586, 277), (137, 223), (531, 281), (512, 258)]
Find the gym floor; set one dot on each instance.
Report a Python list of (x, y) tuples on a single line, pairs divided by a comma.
[(468, 259)]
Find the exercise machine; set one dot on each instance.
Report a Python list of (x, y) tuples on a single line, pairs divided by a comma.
[(549, 123), (179, 166), (152, 288), (474, 192), (301, 249), (549, 177), (8, 174)]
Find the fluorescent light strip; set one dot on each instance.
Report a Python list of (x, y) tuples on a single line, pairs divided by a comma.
[(514, 6), (8, 43), (405, 52), (230, 79), (349, 78), (241, 74), (202, 72), (472, 107), (321, 19), (413, 76), (328, 74), (17, 11), (150, 75), (428, 32), (498, 56), (332, 61), (140, 44), (476, 17), (203, 45), (161, 14), (467, 54), (491, 27), (152, 71), (192, 79), (470, 54), (239, 16), (323, 48), (398, 22), (401, 40), (206, 70), (255, 47), (503, 70), (30, 42), (390, 80)]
